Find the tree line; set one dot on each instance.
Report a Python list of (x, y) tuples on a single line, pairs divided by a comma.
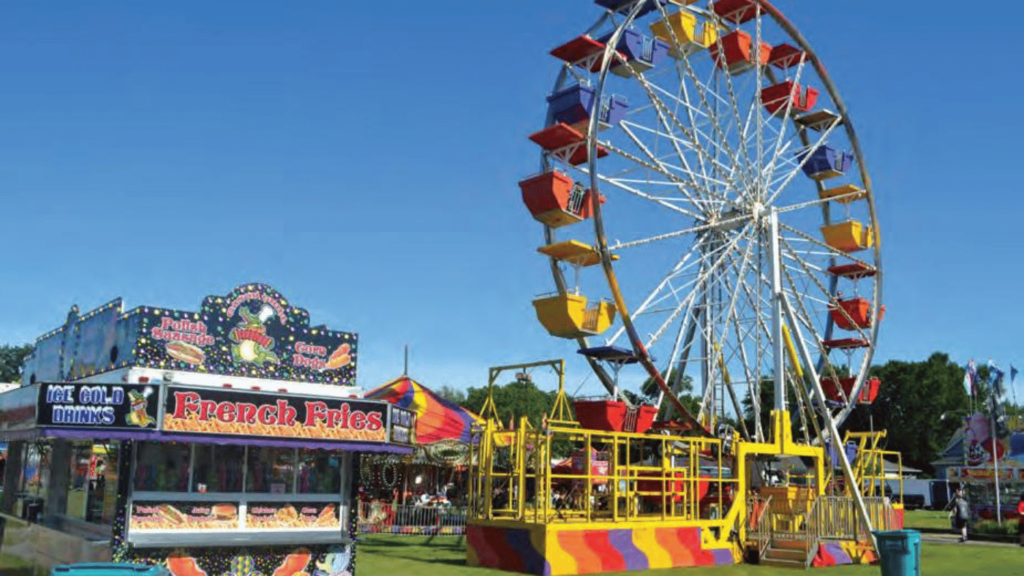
[(920, 404)]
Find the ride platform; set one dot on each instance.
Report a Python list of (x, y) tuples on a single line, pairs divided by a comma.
[(736, 11), (582, 548), (574, 252), (785, 56), (565, 143), (619, 501)]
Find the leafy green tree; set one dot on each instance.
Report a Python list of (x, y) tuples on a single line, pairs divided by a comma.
[(515, 399), (910, 407), (767, 404), (650, 390), (11, 359), (452, 394)]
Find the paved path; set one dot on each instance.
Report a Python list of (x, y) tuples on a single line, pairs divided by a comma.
[(934, 538)]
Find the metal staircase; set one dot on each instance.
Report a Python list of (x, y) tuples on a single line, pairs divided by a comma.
[(783, 532), (788, 533)]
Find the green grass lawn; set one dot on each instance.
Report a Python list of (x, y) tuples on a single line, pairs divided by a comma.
[(420, 556), (931, 519), (13, 566)]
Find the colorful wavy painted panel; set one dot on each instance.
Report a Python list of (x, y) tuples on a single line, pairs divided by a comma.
[(840, 553), (570, 552)]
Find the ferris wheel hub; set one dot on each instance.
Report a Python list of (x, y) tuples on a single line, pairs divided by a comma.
[(728, 220)]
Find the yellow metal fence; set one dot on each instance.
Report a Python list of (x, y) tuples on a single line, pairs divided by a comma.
[(567, 474)]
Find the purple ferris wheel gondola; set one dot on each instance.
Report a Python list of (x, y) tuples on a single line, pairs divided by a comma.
[(643, 52), (624, 6), (575, 104), (825, 162)]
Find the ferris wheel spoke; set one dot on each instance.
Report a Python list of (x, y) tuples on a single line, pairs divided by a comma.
[(680, 65), (684, 340), (684, 232), (725, 352), (702, 283), (777, 149), (683, 184), (677, 270), (827, 304), (662, 111), (753, 113), (788, 177), (759, 118), (669, 120), (752, 392), (635, 192), (817, 202), (697, 116), (734, 296), (686, 304), (833, 252), (757, 298), (717, 149), (683, 64)]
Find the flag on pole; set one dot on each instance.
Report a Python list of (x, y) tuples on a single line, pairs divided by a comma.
[(997, 378), (1013, 377), (971, 376)]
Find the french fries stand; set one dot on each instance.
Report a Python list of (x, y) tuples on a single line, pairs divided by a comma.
[(235, 455)]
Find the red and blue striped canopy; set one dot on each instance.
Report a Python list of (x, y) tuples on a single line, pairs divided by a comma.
[(436, 418)]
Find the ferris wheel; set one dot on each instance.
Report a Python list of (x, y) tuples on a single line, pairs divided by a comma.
[(707, 211)]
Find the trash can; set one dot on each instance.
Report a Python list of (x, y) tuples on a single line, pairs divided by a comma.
[(899, 552), (109, 569), (32, 510)]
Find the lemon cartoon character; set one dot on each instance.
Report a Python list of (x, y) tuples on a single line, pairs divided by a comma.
[(138, 416)]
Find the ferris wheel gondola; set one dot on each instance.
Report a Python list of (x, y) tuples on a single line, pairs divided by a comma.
[(700, 172)]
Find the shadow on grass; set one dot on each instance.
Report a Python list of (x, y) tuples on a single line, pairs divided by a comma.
[(434, 550), (413, 542)]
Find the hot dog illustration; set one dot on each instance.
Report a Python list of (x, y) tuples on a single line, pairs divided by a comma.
[(185, 352), (340, 357)]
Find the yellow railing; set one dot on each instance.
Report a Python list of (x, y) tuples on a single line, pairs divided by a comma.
[(836, 518), (591, 317), (760, 523), (599, 477)]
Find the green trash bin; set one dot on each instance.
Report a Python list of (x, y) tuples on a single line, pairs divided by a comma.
[(109, 569), (899, 552)]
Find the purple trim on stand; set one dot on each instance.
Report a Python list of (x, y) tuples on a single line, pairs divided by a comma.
[(209, 439), (15, 435)]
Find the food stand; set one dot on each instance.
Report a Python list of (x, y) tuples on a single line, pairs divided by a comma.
[(993, 466), (236, 460)]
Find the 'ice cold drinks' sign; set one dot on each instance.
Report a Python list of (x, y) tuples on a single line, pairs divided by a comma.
[(98, 405)]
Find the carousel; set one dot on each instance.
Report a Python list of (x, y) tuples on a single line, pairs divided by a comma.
[(422, 492)]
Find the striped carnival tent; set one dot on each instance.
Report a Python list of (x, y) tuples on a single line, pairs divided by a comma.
[(437, 419)]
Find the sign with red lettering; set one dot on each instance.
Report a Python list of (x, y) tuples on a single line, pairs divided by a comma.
[(186, 516), (249, 413), (253, 331), (292, 515)]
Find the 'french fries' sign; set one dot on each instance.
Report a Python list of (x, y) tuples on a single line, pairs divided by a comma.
[(248, 413)]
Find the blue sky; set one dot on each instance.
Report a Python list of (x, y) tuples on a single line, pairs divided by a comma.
[(362, 157)]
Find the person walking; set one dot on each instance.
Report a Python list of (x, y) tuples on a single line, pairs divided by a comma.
[(960, 513), (1020, 519)]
